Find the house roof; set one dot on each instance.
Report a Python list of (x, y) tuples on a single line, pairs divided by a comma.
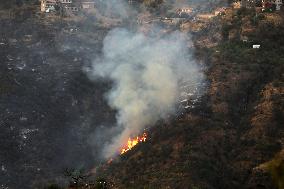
[(51, 1)]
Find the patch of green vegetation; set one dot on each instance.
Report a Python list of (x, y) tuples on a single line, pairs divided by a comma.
[(234, 51), (243, 53), (225, 31)]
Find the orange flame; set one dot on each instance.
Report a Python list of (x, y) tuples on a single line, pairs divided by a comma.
[(133, 142)]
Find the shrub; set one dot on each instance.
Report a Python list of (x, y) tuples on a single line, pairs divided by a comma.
[(242, 11), (261, 16), (225, 31)]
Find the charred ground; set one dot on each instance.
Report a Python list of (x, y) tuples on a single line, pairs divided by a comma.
[(232, 139), (47, 103)]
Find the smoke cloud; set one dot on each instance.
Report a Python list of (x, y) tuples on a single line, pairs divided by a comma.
[(146, 72)]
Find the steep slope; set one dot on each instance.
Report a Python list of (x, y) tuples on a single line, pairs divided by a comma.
[(237, 126), (48, 106)]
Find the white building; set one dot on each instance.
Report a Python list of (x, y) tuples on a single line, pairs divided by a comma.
[(47, 5), (278, 4), (66, 1), (181, 11), (88, 4), (67, 6)]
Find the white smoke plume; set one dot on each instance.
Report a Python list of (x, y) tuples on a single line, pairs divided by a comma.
[(146, 72)]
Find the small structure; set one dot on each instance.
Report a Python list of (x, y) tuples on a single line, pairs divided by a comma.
[(269, 5), (48, 5), (66, 6), (272, 5), (88, 4), (185, 11), (66, 1), (244, 38), (278, 4), (205, 17)]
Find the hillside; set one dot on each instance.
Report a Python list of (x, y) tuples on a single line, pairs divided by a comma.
[(53, 114), (16, 3), (238, 125), (46, 102)]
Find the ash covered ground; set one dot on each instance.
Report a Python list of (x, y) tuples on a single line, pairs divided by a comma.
[(49, 108)]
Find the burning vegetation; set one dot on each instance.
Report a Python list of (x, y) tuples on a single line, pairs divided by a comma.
[(230, 130), (133, 142)]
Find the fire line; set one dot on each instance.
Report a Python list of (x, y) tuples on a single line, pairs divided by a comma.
[(133, 142)]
